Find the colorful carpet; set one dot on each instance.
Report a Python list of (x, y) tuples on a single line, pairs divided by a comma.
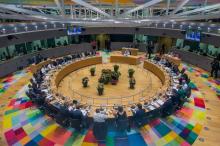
[(24, 124), (6, 82), (214, 84)]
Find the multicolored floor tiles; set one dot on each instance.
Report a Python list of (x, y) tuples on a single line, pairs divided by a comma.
[(24, 124), (214, 84), (10, 79)]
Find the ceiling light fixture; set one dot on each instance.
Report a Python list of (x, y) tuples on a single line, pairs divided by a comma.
[(3, 30)]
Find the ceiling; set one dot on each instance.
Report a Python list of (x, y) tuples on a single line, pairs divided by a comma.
[(121, 2), (111, 12)]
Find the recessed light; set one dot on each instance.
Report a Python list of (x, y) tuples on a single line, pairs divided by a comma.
[(3, 30)]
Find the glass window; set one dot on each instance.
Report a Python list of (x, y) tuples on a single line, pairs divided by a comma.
[(3, 54), (51, 43)]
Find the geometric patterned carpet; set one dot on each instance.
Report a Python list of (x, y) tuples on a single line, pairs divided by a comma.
[(24, 124), (6, 82), (214, 84)]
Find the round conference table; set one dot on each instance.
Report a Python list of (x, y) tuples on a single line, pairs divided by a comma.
[(61, 73)]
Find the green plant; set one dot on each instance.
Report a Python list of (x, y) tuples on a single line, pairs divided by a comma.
[(132, 82), (106, 76), (131, 72), (115, 75), (116, 68), (92, 71), (85, 81), (100, 89), (102, 79)]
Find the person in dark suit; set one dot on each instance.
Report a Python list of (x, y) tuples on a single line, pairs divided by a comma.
[(150, 48), (215, 67), (162, 50), (138, 115), (121, 114), (76, 113), (121, 119), (175, 68), (98, 44), (167, 108)]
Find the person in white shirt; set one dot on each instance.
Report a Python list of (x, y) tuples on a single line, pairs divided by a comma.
[(43, 70), (127, 52), (162, 61), (99, 116), (50, 66), (185, 86)]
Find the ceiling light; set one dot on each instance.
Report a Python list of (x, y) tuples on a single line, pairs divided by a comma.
[(3, 30), (209, 29), (117, 22)]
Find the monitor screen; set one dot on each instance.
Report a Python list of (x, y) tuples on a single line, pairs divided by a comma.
[(194, 35), (74, 30)]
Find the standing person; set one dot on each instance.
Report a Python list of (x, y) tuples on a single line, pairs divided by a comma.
[(93, 44), (106, 44), (150, 48), (162, 51), (98, 44), (215, 67), (109, 45)]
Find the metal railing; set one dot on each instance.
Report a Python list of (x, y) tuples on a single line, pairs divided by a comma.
[(144, 94)]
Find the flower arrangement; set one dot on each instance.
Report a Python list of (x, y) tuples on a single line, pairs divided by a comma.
[(131, 72), (85, 81), (92, 71), (100, 89), (132, 82)]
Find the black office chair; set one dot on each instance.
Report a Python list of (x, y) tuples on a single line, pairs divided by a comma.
[(50, 110), (76, 124), (188, 92), (123, 125), (100, 130), (62, 120), (168, 108), (148, 116)]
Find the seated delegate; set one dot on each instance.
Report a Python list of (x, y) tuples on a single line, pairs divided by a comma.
[(138, 114), (121, 119)]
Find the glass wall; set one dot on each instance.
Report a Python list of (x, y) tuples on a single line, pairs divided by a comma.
[(198, 48), (39, 45), (34, 46)]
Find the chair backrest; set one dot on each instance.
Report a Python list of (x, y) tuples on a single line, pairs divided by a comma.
[(123, 124), (75, 123), (100, 130)]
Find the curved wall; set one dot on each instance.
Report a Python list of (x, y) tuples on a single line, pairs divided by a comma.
[(173, 33), (13, 64)]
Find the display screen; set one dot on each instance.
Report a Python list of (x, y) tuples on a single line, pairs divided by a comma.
[(74, 30), (194, 35)]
